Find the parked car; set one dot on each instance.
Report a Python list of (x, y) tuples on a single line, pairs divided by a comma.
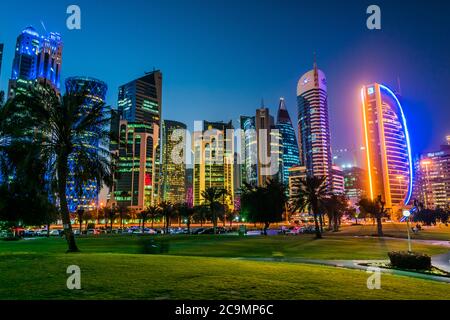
[(41, 232), (55, 233), (29, 233), (93, 231)]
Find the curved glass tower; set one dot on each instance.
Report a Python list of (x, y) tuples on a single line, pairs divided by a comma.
[(84, 196), (388, 151), (288, 139), (313, 126)]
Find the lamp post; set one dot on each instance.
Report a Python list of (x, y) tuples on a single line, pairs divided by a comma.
[(407, 214)]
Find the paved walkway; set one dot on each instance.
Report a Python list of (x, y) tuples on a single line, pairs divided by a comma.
[(438, 261)]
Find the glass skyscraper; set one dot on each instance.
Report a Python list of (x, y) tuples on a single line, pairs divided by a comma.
[(137, 183), (387, 144), (85, 196), (313, 126), (249, 151), (289, 143), (36, 58)]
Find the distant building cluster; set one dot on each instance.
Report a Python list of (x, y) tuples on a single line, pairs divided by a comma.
[(151, 166)]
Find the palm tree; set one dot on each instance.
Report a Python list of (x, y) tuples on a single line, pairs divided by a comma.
[(64, 128), (167, 210), (375, 208), (211, 197), (335, 206), (153, 213), (187, 212), (311, 194)]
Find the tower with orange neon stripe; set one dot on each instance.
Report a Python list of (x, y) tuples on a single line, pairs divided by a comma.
[(388, 149)]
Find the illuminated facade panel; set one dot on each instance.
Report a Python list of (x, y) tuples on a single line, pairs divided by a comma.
[(173, 167), (248, 150), (432, 178), (213, 149), (387, 144)]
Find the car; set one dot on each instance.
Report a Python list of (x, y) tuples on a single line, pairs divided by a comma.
[(55, 233), (197, 230), (29, 233), (149, 231), (137, 231), (76, 232), (41, 232), (207, 231), (93, 231)]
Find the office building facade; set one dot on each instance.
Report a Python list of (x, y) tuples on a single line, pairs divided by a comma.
[(387, 144)]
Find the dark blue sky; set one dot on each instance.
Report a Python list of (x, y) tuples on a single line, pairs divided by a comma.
[(219, 58)]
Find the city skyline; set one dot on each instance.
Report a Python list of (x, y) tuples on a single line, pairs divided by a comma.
[(208, 78)]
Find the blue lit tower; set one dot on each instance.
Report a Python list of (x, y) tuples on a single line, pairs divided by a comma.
[(36, 58), (84, 196), (313, 126), (290, 154)]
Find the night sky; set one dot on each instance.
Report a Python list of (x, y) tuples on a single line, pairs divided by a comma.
[(219, 58)]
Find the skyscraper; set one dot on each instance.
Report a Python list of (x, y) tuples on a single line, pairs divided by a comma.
[(138, 148), (388, 151), (213, 147), (85, 196), (313, 126), (355, 183), (173, 166), (432, 178), (264, 124), (249, 151), (290, 154), (36, 58)]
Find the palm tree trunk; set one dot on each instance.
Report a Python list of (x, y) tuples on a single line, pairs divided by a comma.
[(62, 181), (379, 227), (321, 222), (316, 222)]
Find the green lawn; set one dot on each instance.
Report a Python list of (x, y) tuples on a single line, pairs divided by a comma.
[(305, 246), (132, 276), (398, 230), (201, 267)]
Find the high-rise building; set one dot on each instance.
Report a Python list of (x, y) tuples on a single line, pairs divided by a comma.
[(432, 178), (290, 154), (313, 126), (296, 173), (264, 124), (355, 182), (388, 151), (213, 148), (137, 183), (85, 196), (249, 151), (337, 180), (36, 58), (173, 166), (140, 100)]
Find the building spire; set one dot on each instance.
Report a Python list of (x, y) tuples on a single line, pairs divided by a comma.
[(316, 73), (262, 102), (282, 104)]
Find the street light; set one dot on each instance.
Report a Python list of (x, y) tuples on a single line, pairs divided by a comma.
[(407, 214)]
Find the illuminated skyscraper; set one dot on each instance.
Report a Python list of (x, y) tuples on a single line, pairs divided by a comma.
[(173, 167), (432, 178), (313, 126), (290, 156), (85, 196), (355, 183), (213, 147), (138, 148), (248, 151), (36, 58), (388, 151)]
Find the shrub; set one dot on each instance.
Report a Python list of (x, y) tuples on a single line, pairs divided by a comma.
[(410, 260)]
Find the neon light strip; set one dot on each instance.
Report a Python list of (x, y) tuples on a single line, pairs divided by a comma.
[(408, 198), (366, 133)]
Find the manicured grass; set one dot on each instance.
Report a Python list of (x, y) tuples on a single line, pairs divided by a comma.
[(305, 246), (133, 276), (398, 230)]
